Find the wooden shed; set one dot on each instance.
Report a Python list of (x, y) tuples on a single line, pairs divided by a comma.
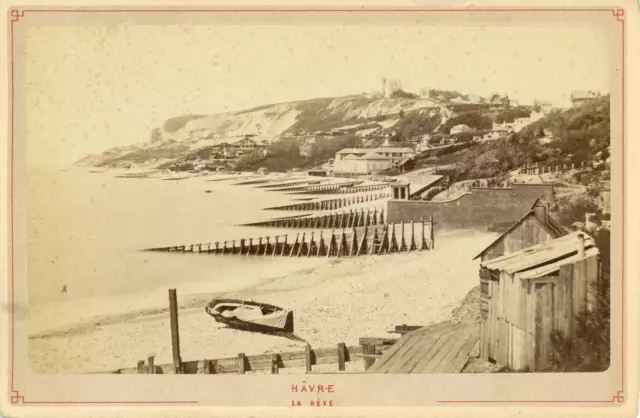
[(535, 227), (528, 294)]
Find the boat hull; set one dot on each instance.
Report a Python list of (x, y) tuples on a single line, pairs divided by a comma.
[(249, 325)]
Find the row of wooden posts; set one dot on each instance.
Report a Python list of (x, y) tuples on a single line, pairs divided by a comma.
[(353, 218), (235, 177), (142, 174), (289, 184), (377, 240), (344, 190), (541, 169), (261, 180), (316, 189), (369, 349), (332, 204)]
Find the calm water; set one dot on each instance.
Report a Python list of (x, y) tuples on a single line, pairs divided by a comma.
[(86, 231)]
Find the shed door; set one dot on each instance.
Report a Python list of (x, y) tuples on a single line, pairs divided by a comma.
[(544, 324)]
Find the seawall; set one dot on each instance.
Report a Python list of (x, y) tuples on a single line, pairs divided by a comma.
[(481, 209)]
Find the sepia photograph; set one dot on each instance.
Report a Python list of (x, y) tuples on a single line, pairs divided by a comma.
[(284, 193), (372, 210)]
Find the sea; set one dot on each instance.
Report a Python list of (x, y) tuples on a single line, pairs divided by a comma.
[(87, 232)]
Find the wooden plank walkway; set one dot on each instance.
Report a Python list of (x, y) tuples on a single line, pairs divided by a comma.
[(440, 348)]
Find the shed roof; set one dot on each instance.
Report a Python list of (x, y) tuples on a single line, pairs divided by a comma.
[(541, 254), (555, 266), (552, 226)]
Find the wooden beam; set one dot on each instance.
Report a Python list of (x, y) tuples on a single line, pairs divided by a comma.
[(241, 363), (175, 332), (307, 358), (341, 356)]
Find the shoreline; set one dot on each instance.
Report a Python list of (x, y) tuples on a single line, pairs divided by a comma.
[(338, 300)]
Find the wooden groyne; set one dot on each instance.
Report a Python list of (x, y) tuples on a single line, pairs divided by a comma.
[(341, 189), (290, 183), (142, 174), (271, 363), (331, 204), (330, 186), (375, 240), (353, 218), (233, 178)]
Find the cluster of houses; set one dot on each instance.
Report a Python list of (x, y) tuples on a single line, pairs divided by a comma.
[(230, 149), (498, 130), (354, 162)]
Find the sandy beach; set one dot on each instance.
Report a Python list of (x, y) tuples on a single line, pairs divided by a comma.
[(334, 300)]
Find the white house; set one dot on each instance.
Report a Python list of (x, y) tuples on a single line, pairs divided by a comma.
[(363, 161), (459, 129)]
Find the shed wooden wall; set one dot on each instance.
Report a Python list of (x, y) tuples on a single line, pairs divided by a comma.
[(529, 232), (519, 316)]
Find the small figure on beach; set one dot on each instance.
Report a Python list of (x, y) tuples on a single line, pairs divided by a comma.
[(64, 289)]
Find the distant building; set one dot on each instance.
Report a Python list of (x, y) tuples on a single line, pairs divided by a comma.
[(545, 106), (474, 98), (583, 96), (389, 86), (351, 162), (460, 129)]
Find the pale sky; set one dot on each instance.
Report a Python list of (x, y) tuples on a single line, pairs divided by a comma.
[(95, 87)]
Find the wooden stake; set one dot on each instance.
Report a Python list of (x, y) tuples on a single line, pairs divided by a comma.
[(284, 246), (241, 363), (362, 248), (433, 242), (412, 243), (302, 243), (175, 332), (275, 247), (368, 350), (403, 245), (341, 356), (307, 358), (321, 246), (152, 368), (293, 247), (354, 243)]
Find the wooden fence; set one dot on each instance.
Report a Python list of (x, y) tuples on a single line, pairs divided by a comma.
[(332, 204), (353, 218), (376, 240)]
